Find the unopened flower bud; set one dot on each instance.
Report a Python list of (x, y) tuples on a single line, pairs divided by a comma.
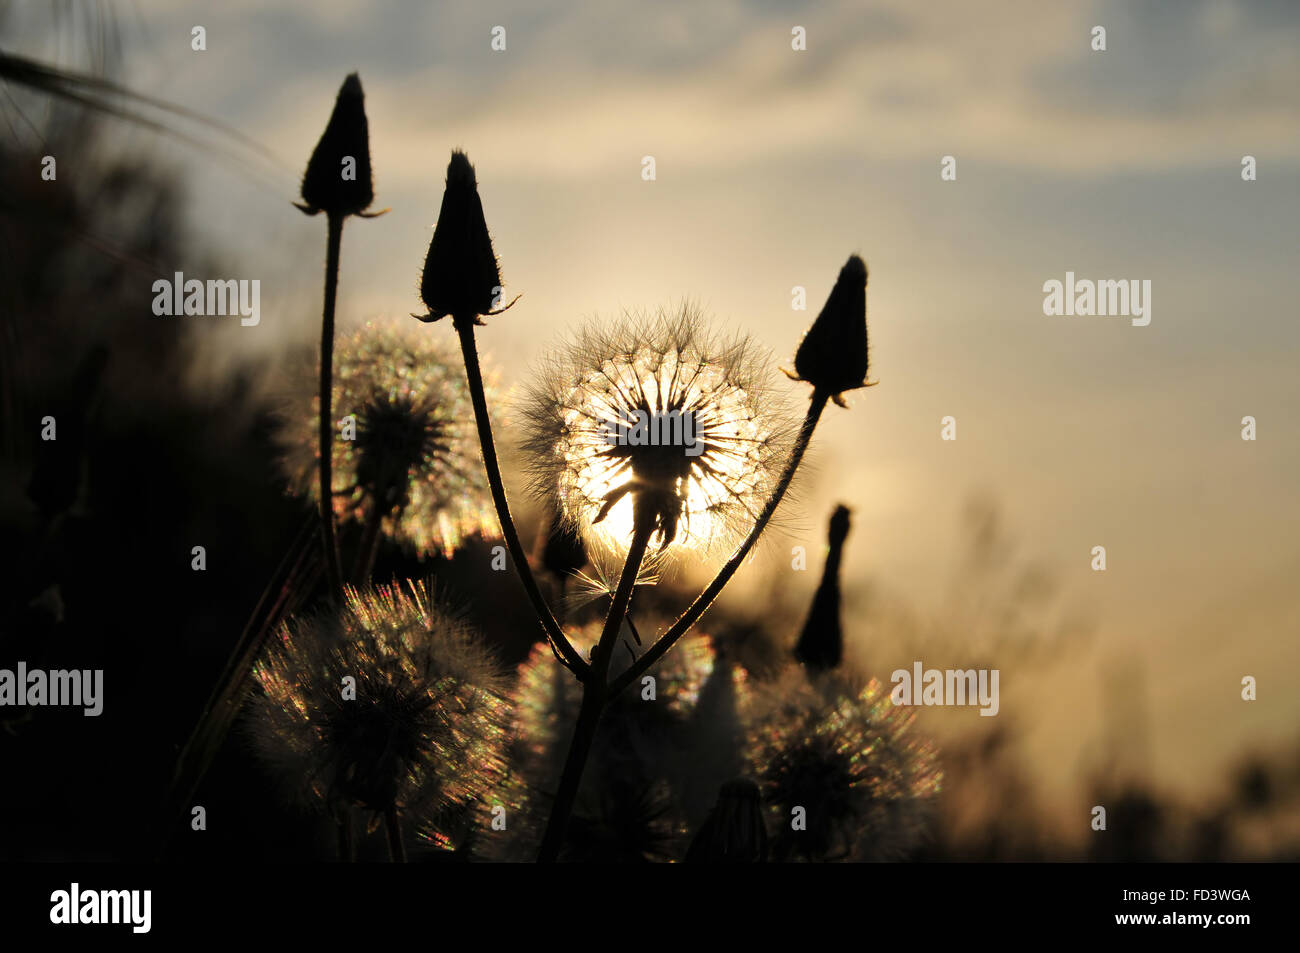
[(833, 354), (821, 643), (338, 179), (460, 277)]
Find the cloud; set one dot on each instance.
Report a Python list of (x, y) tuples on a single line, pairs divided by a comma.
[(596, 87)]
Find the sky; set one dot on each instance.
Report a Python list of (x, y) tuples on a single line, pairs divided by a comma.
[(772, 166)]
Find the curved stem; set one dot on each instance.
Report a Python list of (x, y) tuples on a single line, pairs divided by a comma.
[(368, 546), (642, 531), (584, 733), (333, 573), (562, 647), (594, 695), (714, 588)]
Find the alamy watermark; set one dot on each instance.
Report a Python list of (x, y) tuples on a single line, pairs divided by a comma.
[(922, 686), (216, 296), (36, 687), (74, 906), (1128, 297), (640, 428)]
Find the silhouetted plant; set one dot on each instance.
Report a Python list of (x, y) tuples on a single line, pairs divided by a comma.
[(337, 182), (461, 278), (631, 804), (821, 643), (732, 485)]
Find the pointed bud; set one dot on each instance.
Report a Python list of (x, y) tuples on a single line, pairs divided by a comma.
[(338, 180), (821, 643), (734, 832), (460, 272), (833, 354)]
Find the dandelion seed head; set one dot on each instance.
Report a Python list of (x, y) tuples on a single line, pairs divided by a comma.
[(414, 456), (849, 758), (427, 729), (587, 458)]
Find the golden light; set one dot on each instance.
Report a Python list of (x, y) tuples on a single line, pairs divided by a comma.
[(721, 481)]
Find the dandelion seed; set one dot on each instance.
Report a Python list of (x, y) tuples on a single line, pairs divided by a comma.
[(426, 731), (602, 581), (848, 759), (588, 460), (414, 459)]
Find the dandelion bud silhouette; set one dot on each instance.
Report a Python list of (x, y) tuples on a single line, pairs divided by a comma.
[(821, 644), (734, 832), (461, 276), (833, 354), (330, 185)]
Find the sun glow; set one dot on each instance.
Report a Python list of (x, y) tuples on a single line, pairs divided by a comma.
[(606, 474)]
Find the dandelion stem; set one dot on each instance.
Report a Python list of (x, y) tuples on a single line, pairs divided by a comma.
[(711, 592), (368, 546), (333, 573), (559, 642), (396, 851), (594, 693), (584, 733), (643, 530)]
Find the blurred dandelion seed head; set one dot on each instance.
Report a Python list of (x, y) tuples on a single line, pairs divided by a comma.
[(427, 730), (414, 456), (546, 707), (849, 758), (654, 368), (630, 799)]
